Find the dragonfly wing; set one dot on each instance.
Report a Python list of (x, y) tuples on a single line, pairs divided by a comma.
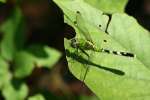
[(82, 27)]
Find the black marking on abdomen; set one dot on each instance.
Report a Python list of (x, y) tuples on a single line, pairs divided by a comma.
[(127, 54), (105, 50), (115, 52)]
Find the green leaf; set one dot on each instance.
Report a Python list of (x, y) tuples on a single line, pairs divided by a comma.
[(88, 98), (108, 6), (13, 34), (5, 75), (3, 1), (131, 35), (70, 8), (15, 92), (44, 55), (37, 97), (26, 61), (111, 76), (23, 64)]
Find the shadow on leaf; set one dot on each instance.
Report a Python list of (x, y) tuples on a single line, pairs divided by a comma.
[(87, 62)]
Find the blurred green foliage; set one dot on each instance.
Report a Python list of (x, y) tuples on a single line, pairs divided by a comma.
[(21, 59), (3, 1)]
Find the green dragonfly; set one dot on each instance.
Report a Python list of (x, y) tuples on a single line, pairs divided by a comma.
[(87, 44), (83, 44)]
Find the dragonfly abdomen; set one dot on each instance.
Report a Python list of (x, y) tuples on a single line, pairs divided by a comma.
[(121, 53), (87, 45)]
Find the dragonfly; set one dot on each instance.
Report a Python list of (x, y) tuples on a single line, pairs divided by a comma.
[(83, 44), (88, 44)]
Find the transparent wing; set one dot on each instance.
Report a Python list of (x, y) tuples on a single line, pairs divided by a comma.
[(82, 27), (80, 23)]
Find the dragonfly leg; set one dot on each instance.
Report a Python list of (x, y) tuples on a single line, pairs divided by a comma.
[(86, 67)]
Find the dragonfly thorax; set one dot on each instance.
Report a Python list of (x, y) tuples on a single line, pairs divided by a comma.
[(83, 44)]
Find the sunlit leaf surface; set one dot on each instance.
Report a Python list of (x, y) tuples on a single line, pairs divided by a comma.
[(109, 76), (108, 6)]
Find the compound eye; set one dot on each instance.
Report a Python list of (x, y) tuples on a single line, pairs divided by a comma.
[(73, 43)]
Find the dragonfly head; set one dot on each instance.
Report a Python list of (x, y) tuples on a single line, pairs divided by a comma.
[(73, 43)]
